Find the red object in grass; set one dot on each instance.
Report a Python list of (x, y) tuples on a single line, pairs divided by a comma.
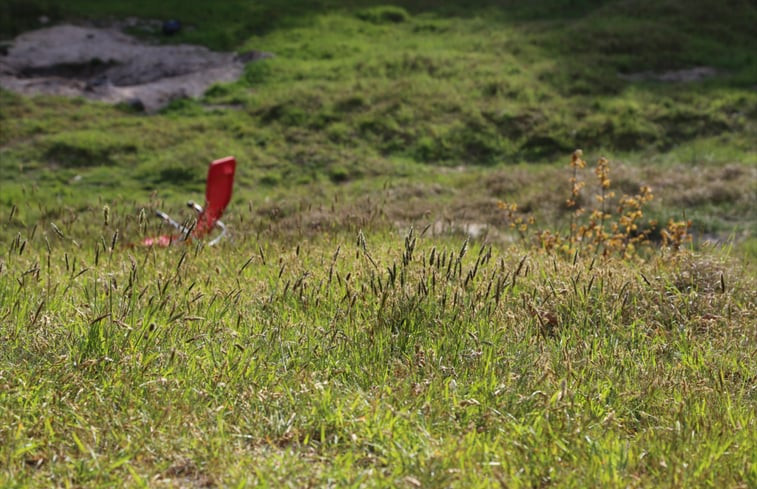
[(218, 190), (217, 194)]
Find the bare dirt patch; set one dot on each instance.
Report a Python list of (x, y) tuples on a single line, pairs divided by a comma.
[(107, 65)]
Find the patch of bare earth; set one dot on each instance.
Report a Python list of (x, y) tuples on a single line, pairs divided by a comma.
[(107, 65)]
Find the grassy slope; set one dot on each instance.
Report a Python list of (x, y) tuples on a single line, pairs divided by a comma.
[(291, 356), (352, 96)]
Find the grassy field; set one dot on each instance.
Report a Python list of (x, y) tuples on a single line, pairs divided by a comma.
[(423, 362), (351, 332)]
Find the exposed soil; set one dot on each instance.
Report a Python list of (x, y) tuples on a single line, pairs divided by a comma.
[(107, 65)]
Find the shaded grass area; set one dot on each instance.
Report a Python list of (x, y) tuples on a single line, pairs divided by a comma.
[(369, 359)]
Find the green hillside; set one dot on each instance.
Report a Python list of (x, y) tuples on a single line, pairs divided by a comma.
[(358, 91)]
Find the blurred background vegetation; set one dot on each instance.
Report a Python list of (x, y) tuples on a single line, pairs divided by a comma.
[(454, 104)]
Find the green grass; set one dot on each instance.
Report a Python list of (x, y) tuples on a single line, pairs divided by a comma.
[(433, 361), (326, 344)]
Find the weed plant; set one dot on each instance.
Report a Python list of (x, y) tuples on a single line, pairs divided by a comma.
[(600, 230)]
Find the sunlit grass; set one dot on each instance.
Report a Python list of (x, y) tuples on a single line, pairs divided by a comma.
[(369, 359), (350, 332)]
